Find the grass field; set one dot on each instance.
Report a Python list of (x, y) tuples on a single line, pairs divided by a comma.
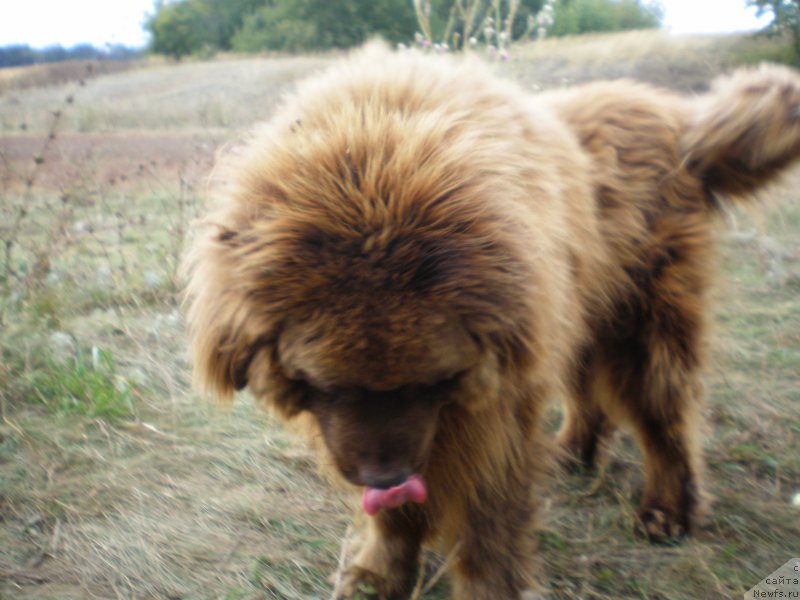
[(116, 481)]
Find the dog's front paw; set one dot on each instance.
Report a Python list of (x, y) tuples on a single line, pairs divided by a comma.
[(361, 584)]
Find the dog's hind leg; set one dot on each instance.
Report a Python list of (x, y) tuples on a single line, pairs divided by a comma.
[(673, 464), (652, 357), (660, 398)]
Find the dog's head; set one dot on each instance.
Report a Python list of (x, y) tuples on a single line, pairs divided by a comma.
[(348, 281), (373, 351), (374, 344)]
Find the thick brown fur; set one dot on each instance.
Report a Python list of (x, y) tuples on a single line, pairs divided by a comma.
[(417, 256)]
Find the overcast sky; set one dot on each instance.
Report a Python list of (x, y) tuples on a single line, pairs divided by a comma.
[(41, 23)]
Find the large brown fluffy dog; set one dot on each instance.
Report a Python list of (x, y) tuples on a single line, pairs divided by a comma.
[(417, 256)]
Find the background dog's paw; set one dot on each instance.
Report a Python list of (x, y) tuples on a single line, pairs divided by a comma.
[(362, 584), (661, 526)]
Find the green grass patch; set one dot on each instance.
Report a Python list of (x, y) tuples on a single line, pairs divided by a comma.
[(85, 385)]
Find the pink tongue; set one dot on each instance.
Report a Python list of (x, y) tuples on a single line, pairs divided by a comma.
[(412, 489)]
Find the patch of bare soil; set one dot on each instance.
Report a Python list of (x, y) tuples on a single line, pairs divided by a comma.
[(118, 159)]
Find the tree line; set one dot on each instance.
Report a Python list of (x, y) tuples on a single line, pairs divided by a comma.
[(185, 27), (20, 55)]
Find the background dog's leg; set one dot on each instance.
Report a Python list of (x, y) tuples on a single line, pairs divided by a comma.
[(585, 425), (656, 372), (660, 397), (671, 497), (384, 566), (650, 359)]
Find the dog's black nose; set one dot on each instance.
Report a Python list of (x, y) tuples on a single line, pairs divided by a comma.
[(384, 481)]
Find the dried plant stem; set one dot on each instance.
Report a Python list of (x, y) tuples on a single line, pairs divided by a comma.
[(513, 5), (422, 8), (55, 235), (420, 578), (420, 590), (342, 564), (178, 237), (21, 212), (494, 20)]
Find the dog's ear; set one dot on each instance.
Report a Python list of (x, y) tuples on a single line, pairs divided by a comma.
[(745, 130), (225, 333), (221, 361)]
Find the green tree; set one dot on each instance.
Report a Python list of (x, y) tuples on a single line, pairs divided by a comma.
[(178, 29), (275, 28), (190, 26), (319, 24), (785, 18), (225, 18), (574, 17)]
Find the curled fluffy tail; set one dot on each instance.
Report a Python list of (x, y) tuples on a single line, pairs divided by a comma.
[(746, 130)]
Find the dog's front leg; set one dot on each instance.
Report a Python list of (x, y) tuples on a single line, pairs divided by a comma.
[(384, 565), (494, 557)]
